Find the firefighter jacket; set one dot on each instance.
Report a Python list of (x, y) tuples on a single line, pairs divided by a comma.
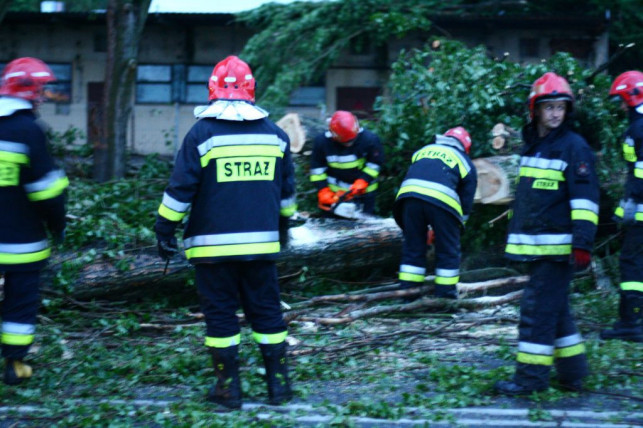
[(236, 178), (337, 165), (440, 174), (31, 189), (556, 203), (633, 154)]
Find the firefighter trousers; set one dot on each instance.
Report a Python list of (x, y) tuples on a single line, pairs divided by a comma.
[(417, 215), (631, 267), (223, 287), (19, 311), (547, 334)]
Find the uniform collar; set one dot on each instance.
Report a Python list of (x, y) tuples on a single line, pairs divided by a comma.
[(9, 105), (234, 110)]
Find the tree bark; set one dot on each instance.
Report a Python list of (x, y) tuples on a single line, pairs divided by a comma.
[(125, 23)]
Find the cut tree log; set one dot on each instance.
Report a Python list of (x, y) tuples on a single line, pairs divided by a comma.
[(318, 246), (496, 179)]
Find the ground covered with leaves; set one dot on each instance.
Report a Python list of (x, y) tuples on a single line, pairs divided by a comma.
[(143, 363)]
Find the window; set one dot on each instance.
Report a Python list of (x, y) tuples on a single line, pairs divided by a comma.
[(164, 84), (308, 96), (196, 88), (154, 84), (529, 48)]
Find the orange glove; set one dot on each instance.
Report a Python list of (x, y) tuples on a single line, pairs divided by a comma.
[(359, 187), (326, 198)]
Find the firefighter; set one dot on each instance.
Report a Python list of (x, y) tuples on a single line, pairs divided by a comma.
[(552, 227), (437, 191), (32, 193), (235, 175), (628, 89), (346, 160)]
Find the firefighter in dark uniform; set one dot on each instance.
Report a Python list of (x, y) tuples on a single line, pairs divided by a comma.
[(235, 175), (346, 159), (628, 89), (32, 197), (437, 191), (552, 227)]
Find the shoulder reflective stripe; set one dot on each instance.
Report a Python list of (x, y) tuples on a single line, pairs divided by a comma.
[(241, 140), (441, 280), (30, 247), (542, 239), (570, 351), (233, 250), (584, 204), (240, 151), (411, 277), (572, 339), (17, 339), (413, 269), (318, 171), (18, 328), (535, 348), (231, 238), (48, 187), (222, 342), (449, 155), (175, 205), (543, 163), (433, 190), (14, 157), (169, 214), (541, 360), (14, 147), (341, 159), (270, 338), (632, 286)]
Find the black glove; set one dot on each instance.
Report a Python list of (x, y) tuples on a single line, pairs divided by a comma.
[(284, 224), (167, 247)]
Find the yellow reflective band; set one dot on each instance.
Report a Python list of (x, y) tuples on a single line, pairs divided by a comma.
[(269, 339), (16, 259), (445, 154), (241, 151), (632, 286), (542, 360), (20, 158), (372, 172), (335, 187), (359, 163), (628, 153), (318, 177), (585, 215), (570, 351), (447, 280), (638, 172), (246, 169), (222, 342), (233, 250), (170, 214), (411, 277), (54, 190), (17, 339), (433, 194), (543, 184), (9, 174), (549, 174), (619, 213), (288, 211), (539, 250), (372, 187)]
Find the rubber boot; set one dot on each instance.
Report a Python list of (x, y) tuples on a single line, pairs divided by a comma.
[(274, 358), (227, 390), (629, 326), (15, 371), (446, 291)]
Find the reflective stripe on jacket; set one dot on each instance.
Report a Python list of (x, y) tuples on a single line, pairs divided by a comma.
[(633, 155), (235, 179), (556, 204)]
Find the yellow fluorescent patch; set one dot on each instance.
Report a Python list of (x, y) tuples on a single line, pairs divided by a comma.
[(545, 184), (245, 169)]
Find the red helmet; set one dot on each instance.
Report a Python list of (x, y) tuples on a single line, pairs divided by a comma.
[(460, 134), (25, 78), (629, 86), (232, 79), (343, 126), (550, 87)]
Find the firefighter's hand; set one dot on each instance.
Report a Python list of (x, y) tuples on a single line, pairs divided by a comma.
[(581, 258), (284, 225), (629, 212), (167, 247), (359, 187), (326, 198)]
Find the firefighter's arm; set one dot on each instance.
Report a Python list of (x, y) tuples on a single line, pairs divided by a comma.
[(288, 204), (318, 164), (374, 159), (583, 189), (635, 187), (467, 191)]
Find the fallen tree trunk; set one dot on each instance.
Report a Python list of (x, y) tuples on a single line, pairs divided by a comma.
[(318, 246)]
